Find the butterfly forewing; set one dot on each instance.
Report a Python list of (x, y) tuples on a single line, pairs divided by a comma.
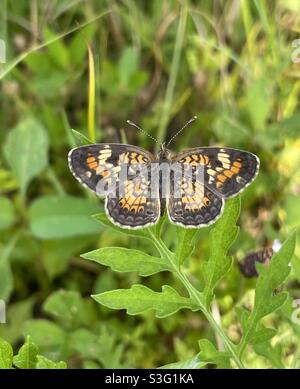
[(226, 171), (99, 167), (92, 163)]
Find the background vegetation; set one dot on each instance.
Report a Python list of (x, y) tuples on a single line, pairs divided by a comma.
[(158, 63)]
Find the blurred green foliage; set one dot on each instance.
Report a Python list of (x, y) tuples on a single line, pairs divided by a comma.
[(157, 63)]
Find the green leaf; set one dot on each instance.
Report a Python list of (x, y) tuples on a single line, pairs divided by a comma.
[(26, 151), (185, 243), (7, 213), (78, 48), (49, 336), (270, 277), (57, 50), (57, 254), (262, 335), (60, 217), (139, 299), (209, 354), (27, 355), (6, 279), (259, 101), (81, 137), (191, 363), (156, 228), (44, 363), (67, 307), (86, 343), (17, 314), (221, 237), (125, 260), (102, 218), (128, 64), (102, 348), (292, 210), (273, 354), (6, 355)]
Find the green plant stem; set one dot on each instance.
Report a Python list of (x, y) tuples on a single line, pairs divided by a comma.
[(91, 98), (198, 299)]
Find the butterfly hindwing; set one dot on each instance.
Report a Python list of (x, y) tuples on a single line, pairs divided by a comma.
[(225, 171), (128, 204), (135, 206), (194, 205)]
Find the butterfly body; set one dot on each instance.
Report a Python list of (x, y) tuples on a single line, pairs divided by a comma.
[(190, 186)]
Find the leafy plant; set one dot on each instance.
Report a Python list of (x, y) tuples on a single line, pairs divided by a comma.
[(55, 94), (27, 358), (139, 298)]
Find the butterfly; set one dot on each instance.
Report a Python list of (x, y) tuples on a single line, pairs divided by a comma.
[(247, 265), (203, 176)]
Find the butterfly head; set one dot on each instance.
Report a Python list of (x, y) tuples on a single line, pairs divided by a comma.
[(164, 153)]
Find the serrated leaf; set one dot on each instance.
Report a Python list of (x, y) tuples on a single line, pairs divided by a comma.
[(243, 316), (27, 355), (59, 217), (102, 218), (26, 151), (6, 355), (185, 243), (270, 277), (191, 363), (262, 335), (44, 363), (273, 354), (139, 299), (209, 353), (126, 260), (221, 238)]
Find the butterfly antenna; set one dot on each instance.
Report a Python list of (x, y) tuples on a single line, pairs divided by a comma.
[(181, 129), (143, 131)]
